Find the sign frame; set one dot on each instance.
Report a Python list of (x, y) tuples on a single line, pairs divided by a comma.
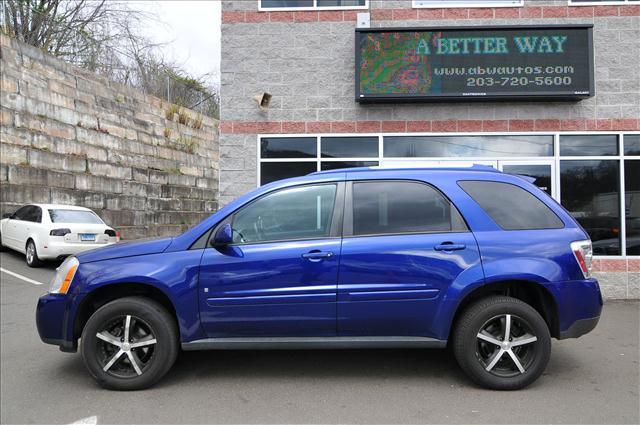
[(511, 97)]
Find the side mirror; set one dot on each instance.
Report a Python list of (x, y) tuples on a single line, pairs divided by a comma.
[(223, 236), (7, 215)]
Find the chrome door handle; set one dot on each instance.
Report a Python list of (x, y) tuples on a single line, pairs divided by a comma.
[(449, 246)]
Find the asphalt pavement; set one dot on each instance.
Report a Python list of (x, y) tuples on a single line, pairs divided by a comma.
[(594, 379)]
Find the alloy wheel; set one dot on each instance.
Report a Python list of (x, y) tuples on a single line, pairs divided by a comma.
[(31, 252), (126, 346), (506, 346)]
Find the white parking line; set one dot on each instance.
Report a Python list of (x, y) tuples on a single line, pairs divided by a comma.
[(19, 276)]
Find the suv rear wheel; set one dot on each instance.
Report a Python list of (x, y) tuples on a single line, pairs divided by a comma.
[(129, 343), (502, 343)]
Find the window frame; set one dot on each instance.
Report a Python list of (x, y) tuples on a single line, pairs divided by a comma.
[(314, 8), (603, 3), (335, 227), (440, 4), (347, 223)]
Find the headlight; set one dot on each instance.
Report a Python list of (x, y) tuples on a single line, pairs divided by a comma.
[(64, 275)]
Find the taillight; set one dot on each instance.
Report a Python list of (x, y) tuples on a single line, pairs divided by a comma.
[(583, 253), (59, 232)]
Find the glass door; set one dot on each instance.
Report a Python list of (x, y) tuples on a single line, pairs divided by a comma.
[(542, 171)]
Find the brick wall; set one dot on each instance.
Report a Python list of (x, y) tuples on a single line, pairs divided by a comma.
[(69, 136), (306, 61)]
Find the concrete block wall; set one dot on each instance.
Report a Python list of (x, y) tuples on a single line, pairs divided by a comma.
[(69, 136), (306, 60)]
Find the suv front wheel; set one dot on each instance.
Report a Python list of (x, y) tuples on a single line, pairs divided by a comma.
[(129, 343), (502, 343)]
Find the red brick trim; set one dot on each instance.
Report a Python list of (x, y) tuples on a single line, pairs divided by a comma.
[(290, 127), (551, 12), (621, 265)]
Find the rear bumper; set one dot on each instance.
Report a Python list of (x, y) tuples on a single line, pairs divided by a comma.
[(579, 305), (52, 315), (579, 328), (56, 250)]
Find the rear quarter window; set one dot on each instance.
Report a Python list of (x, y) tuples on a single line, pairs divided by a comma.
[(510, 206)]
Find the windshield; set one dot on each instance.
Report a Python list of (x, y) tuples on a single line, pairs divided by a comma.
[(74, 216)]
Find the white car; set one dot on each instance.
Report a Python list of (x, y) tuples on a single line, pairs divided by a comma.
[(49, 232)]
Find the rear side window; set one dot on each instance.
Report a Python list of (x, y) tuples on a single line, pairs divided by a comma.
[(510, 206), (402, 207)]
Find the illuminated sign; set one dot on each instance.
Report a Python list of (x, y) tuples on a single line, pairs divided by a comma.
[(474, 63)]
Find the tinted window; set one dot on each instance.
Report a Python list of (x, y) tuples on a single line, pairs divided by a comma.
[(74, 216), (402, 207), (632, 144), (335, 165), (296, 213), (589, 145), (272, 171), (632, 205), (467, 146), (510, 206), (589, 190), (33, 214), (21, 213), (288, 147), (349, 147), (342, 3)]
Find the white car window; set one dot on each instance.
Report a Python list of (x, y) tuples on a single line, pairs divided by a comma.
[(74, 216)]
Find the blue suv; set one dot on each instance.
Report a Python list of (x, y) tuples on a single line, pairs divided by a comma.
[(475, 259)]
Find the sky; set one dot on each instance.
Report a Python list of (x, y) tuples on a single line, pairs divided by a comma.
[(192, 29)]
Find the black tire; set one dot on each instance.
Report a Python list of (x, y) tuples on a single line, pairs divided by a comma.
[(148, 321), (476, 354), (1, 246), (32, 256)]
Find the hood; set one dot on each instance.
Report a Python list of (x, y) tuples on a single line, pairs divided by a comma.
[(125, 249)]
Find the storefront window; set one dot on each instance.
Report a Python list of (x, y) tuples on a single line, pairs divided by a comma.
[(336, 165), (632, 205), (349, 147), (312, 4), (467, 3), (590, 192), (589, 145), (288, 147), (632, 144), (272, 171), (588, 168), (467, 146)]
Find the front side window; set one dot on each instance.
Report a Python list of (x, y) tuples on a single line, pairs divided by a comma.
[(402, 207), (297, 213), (312, 4), (467, 3), (74, 216), (510, 206)]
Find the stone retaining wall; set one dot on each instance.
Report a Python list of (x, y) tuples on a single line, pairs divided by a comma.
[(69, 136)]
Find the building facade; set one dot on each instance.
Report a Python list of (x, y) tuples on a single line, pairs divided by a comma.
[(585, 152)]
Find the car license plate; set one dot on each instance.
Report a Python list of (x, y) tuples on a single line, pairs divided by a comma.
[(87, 237)]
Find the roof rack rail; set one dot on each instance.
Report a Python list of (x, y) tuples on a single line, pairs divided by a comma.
[(474, 167)]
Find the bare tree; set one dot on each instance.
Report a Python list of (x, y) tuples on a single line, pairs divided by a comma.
[(105, 36)]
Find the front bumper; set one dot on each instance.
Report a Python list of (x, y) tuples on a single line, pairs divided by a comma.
[(52, 320)]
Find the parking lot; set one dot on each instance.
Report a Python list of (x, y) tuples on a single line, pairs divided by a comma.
[(589, 380)]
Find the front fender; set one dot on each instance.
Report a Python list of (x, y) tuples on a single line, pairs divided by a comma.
[(175, 274)]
